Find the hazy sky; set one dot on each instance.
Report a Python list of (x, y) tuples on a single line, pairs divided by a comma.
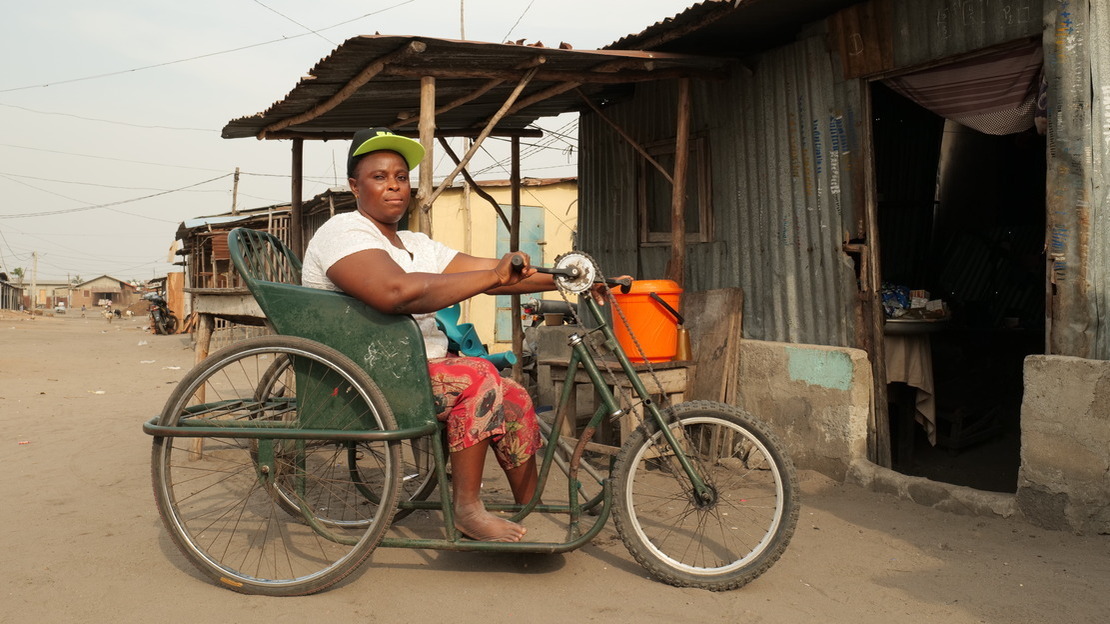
[(111, 111)]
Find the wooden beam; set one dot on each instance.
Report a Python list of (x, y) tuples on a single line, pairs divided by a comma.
[(421, 220), (628, 138), (676, 267), (345, 134), (514, 245), (296, 228), (349, 89), (407, 117), (879, 429), (540, 96), (477, 189), (481, 137)]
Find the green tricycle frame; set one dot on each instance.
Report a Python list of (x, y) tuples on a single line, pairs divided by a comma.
[(281, 462)]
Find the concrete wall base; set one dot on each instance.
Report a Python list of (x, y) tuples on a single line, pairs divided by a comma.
[(816, 399), (1064, 481), (943, 496)]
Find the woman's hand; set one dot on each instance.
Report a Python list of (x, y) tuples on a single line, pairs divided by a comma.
[(514, 267)]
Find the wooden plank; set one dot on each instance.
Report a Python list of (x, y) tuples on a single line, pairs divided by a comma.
[(715, 327), (676, 266)]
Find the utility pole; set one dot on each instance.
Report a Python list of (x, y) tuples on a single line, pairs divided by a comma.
[(34, 281), (462, 22), (235, 192)]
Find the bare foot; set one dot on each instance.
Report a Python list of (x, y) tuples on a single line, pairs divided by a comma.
[(477, 523)]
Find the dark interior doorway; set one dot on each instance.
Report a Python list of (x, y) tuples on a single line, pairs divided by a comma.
[(961, 216)]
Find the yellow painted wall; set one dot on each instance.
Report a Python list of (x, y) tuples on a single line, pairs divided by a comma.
[(458, 206)]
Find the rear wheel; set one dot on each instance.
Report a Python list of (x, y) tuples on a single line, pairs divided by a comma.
[(268, 515), (727, 539)]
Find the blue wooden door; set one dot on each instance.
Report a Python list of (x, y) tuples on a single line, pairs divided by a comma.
[(531, 243)]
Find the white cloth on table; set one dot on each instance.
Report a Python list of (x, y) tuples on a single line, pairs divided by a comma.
[(909, 359)]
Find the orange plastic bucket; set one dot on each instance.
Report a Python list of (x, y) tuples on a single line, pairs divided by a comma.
[(653, 325)]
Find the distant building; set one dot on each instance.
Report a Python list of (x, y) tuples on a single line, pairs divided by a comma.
[(102, 291), (11, 296)]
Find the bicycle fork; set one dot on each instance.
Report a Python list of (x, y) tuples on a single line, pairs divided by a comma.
[(611, 407)]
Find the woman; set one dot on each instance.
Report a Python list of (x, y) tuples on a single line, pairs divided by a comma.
[(395, 271)]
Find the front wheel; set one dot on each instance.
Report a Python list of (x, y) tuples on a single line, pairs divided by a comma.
[(721, 542)]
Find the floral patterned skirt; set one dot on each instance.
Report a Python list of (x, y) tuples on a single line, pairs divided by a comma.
[(477, 403)]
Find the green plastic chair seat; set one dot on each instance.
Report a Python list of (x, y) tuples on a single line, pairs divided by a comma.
[(390, 348)]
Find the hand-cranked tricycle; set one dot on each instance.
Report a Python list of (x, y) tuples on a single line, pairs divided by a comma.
[(280, 463)]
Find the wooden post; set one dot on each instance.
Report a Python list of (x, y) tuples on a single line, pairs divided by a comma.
[(676, 267), (296, 227), (420, 215), (514, 245), (879, 438)]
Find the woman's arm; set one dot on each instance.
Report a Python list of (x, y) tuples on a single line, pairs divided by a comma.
[(374, 278), (534, 282)]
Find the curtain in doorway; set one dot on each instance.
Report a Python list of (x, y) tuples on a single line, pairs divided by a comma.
[(995, 93)]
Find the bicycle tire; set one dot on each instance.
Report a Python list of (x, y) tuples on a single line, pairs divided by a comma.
[(719, 544), (218, 497)]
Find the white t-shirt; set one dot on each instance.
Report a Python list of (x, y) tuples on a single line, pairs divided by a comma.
[(350, 232)]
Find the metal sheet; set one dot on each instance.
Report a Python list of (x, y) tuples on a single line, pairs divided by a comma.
[(1078, 229), (1100, 170), (784, 151), (927, 30)]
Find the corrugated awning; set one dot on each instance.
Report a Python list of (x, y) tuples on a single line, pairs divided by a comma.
[(372, 81)]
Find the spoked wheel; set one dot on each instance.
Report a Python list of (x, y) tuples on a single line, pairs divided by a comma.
[(718, 543), (417, 465), (274, 516)]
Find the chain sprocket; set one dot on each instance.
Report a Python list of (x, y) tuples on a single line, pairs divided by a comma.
[(585, 270)]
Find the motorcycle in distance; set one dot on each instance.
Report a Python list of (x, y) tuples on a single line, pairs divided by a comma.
[(163, 321)]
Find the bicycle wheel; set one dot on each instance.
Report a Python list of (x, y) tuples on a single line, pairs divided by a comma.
[(721, 543), (274, 516), (417, 466)]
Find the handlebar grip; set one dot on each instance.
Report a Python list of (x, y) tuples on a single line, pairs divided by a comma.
[(625, 283), (517, 261)]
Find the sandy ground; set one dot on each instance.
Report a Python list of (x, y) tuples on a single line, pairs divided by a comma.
[(81, 541)]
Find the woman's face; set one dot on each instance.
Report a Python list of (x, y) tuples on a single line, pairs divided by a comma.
[(381, 186)]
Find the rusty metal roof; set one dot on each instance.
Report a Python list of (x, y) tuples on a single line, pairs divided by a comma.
[(371, 81), (731, 28)]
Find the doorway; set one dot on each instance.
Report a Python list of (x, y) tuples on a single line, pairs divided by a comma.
[(961, 220)]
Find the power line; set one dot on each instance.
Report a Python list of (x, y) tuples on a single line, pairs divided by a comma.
[(94, 207), (199, 56), (517, 22), (119, 123), (94, 156), (259, 3), (94, 184)]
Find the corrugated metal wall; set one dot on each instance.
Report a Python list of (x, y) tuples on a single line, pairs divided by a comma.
[(926, 30), (788, 170), (1100, 171), (1075, 42), (785, 160)]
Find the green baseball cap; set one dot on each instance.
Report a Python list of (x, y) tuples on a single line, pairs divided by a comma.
[(376, 139)]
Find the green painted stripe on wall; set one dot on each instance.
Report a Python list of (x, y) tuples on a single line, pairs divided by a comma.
[(829, 369)]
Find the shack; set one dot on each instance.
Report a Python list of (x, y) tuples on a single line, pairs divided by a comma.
[(955, 150), (809, 152)]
